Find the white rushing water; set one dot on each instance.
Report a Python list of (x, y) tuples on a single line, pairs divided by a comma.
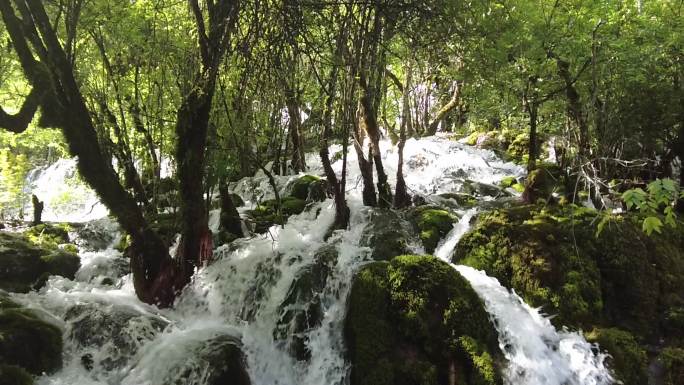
[(250, 294), (537, 353), (65, 196)]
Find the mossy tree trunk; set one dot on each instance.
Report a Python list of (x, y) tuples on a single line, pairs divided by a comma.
[(443, 112), (401, 196), (192, 124)]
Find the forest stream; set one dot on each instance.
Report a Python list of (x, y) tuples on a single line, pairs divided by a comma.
[(253, 295)]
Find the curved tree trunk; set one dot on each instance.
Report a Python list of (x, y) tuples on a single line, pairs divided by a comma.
[(451, 105)]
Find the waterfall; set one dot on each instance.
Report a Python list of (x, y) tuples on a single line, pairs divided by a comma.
[(250, 294), (66, 197), (537, 353)]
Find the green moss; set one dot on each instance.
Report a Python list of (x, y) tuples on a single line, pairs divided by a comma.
[(673, 363), (14, 375), (518, 149), (433, 224), (627, 358), (462, 199), (626, 285), (29, 342), (508, 181), (62, 263), (24, 266), (48, 236), (414, 319), (265, 214), (300, 187)]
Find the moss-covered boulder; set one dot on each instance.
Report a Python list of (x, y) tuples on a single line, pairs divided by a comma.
[(299, 188), (47, 235), (432, 223), (415, 320), (14, 375), (626, 357), (24, 265), (513, 183), (266, 214), (618, 279), (462, 200), (28, 342)]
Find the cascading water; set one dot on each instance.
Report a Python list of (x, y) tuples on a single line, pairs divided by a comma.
[(66, 197), (290, 333), (537, 353)]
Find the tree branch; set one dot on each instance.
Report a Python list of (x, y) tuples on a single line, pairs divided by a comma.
[(19, 122)]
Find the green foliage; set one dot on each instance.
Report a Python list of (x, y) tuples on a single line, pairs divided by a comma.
[(655, 203), (673, 361), (627, 358)]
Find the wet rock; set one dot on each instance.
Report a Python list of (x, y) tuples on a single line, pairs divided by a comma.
[(265, 214), (432, 224), (482, 189), (462, 200), (216, 361), (95, 235), (539, 185), (27, 342), (301, 310), (237, 200), (388, 234), (415, 320), (299, 188), (24, 266), (318, 191), (110, 335)]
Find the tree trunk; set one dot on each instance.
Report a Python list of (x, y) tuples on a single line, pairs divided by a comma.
[(38, 206), (532, 107), (230, 217), (453, 103), (401, 197), (294, 124), (341, 209), (370, 124)]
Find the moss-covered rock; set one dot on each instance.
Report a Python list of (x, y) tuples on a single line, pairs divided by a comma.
[(627, 358), (554, 258), (28, 342), (217, 360), (24, 266), (47, 235), (299, 188), (415, 320), (463, 200), (14, 375), (620, 278), (266, 214), (432, 223)]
